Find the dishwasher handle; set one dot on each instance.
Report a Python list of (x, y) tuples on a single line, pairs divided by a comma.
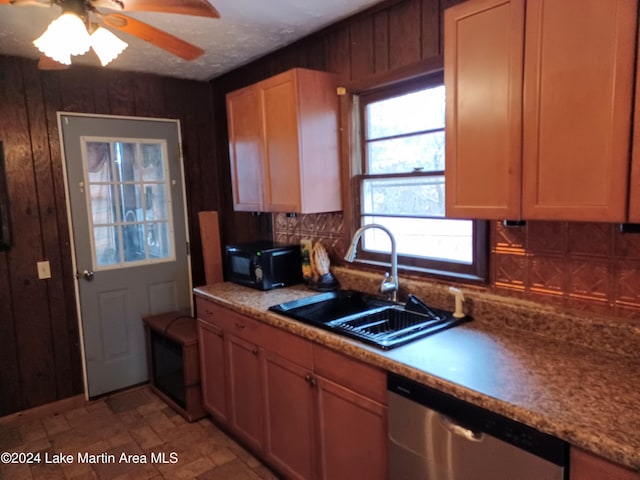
[(459, 430)]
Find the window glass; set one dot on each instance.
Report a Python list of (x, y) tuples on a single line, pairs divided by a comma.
[(402, 185), (130, 201)]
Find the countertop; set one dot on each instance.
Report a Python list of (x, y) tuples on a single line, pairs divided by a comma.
[(587, 397)]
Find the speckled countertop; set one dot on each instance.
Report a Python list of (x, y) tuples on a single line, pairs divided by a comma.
[(588, 397)]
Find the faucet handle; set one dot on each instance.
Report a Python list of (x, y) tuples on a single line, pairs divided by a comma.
[(389, 285), (384, 284)]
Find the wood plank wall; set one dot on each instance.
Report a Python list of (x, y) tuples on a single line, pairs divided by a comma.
[(39, 340)]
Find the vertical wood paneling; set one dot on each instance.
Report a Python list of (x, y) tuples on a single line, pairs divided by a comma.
[(381, 41), (10, 384), (56, 318), (316, 54), (430, 34), (148, 96), (100, 92), (202, 167), (77, 92), (339, 53), (404, 33), (29, 294), (64, 317), (9, 375), (362, 46), (121, 93)]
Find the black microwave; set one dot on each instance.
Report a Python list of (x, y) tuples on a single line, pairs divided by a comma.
[(264, 265)]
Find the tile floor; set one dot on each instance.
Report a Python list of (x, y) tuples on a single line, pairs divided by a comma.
[(135, 422)]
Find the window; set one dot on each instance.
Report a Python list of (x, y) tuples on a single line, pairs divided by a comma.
[(402, 183), (130, 202)]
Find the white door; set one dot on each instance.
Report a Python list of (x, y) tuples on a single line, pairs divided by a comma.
[(127, 212)]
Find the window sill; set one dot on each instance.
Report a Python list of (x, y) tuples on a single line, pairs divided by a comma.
[(418, 272)]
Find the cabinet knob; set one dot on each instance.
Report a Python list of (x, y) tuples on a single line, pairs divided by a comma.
[(254, 351)]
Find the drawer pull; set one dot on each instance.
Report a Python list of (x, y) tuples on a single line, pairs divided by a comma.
[(240, 326), (254, 351)]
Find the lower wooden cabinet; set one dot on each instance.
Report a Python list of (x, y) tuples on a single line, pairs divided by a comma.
[(245, 394), (306, 410), (212, 354), (585, 466), (289, 406), (353, 434)]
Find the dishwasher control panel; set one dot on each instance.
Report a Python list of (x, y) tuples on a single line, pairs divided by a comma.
[(472, 422)]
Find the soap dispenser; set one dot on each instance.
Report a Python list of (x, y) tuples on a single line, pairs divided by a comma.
[(459, 297)]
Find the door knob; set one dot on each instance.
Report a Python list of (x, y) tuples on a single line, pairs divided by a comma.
[(88, 275)]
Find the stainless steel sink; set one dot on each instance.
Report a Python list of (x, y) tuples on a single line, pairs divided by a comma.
[(367, 318)]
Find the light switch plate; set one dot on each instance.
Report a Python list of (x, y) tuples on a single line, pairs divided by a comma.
[(44, 270)]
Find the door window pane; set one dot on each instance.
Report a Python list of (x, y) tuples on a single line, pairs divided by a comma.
[(155, 202), (107, 245), (130, 198), (152, 165)]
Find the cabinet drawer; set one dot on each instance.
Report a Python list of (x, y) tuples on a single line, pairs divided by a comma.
[(289, 346), (353, 374), (270, 338), (230, 321), (205, 311)]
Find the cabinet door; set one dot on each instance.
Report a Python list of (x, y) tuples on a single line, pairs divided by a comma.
[(282, 155), (289, 417), (245, 391), (578, 92), (246, 148), (483, 77), (213, 370), (353, 434), (634, 178), (585, 466)]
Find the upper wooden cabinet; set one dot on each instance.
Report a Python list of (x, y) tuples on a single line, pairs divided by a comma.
[(283, 144), (539, 123)]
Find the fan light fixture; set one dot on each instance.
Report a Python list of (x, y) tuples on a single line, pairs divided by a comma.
[(106, 45), (67, 35)]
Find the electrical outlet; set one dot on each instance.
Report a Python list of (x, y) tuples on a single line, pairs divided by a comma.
[(44, 270)]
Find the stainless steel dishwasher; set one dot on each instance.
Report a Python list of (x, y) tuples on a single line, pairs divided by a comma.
[(434, 436)]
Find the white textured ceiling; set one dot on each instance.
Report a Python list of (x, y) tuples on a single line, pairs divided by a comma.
[(246, 30)]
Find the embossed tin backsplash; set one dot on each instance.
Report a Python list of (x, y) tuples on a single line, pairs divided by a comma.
[(587, 266)]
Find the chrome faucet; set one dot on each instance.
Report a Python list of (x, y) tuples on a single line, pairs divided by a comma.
[(389, 284)]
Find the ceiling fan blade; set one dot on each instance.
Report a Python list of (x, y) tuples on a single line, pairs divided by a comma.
[(28, 3), (157, 37), (46, 63), (200, 8)]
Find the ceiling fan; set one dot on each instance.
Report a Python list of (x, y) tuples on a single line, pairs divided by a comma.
[(58, 44)]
